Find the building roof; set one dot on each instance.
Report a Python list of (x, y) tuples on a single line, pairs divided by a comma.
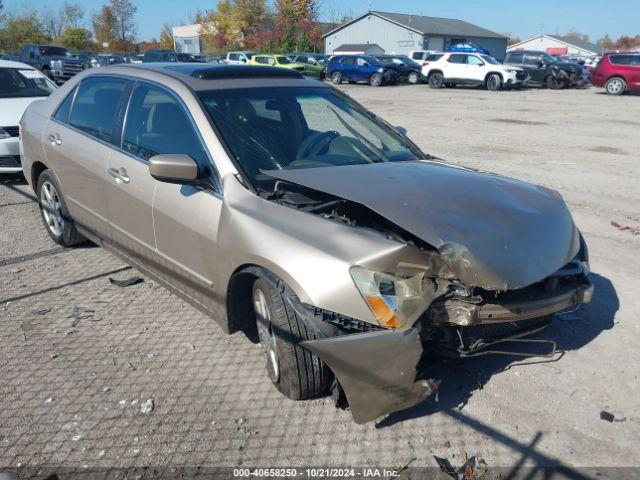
[(591, 47), (357, 47), (429, 25), (570, 41)]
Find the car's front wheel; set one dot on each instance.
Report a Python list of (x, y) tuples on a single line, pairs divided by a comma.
[(413, 78), (336, 77), (615, 86), (436, 80), (494, 82), (54, 212), (555, 83), (295, 371), (375, 80)]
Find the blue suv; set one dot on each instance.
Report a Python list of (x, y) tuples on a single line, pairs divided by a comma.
[(360, 68), (468, 48)]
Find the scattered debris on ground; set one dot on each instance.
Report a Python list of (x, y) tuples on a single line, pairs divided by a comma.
[(472, 469), (80, 313), (625, 228), (147, 407), (127, 282)]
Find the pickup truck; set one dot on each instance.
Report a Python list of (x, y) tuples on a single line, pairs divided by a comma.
[(55, 62)]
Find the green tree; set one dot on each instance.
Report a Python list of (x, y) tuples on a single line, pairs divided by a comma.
[(511, 39), (248, 16), (18, 30), (79, 39)]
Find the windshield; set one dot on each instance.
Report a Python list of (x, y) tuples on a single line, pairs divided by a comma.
[(305, 127), (55, 52), (16, 83), (490, 60), (283, 60), (374, 62)]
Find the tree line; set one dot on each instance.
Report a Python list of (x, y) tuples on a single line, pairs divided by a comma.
[(623, 42)]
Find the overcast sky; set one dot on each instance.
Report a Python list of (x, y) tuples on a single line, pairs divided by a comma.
[(522, 18)]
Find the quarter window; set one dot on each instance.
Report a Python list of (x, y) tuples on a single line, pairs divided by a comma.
[(157, 124), (458, 59), (62, 115), (95, 110), (621, 59)]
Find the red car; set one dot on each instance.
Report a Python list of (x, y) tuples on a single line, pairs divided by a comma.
[(618, 72)]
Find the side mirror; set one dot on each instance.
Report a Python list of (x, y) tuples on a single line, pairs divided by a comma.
[(540, 64), (401, 130), (173, 168)]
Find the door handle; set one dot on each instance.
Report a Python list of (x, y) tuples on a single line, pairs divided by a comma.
[(119, 174), (55, 139)]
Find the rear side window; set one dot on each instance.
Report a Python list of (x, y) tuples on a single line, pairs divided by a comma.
[(62, 115), (156, 123), (417, 55), (515, 58), (457, 59), (532, 60), (96, 107), (621, 59), (348, 61), (233, 56)]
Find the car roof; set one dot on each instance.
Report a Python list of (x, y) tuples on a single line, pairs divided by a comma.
[(202, 77), (12, 64)]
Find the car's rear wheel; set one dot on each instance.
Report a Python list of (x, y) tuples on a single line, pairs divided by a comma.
[(615, 86), (336, 77), (295, 371), (54, 212), (494, 82), (436, 80), (413, 78), (375, 80)]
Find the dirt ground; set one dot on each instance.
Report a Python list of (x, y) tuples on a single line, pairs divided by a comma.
[(79, 356)]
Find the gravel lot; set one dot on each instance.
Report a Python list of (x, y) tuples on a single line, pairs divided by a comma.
[(80, 355)]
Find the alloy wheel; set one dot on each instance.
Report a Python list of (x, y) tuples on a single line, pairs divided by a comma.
[(615, 86), (266, 332), (52, 209)]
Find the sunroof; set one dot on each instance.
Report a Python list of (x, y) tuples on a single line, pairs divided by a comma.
[(235, 71)]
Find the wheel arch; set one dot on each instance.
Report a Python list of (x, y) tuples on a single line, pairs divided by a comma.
[(435, 70), (486, 77), (36, 170)]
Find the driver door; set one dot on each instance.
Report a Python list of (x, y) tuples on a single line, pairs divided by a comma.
[(476, 68)]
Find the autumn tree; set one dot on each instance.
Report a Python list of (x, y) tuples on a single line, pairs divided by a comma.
[(606, 43), (124, 12), (248, 16), (104, 26), (53, 21), (78, 39), (574, 34), (511, 39), (166, 37), (73, 14), (626, 42), (297, 25)]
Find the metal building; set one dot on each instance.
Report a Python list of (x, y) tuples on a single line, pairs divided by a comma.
[(559, 45), (186, 39), (399, 33)]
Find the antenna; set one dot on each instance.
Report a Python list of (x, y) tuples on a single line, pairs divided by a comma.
[(370, 5)]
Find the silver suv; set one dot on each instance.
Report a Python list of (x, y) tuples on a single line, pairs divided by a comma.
[(274, 202)]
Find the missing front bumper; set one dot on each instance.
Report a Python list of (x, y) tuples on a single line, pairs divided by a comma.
[(376, 370)]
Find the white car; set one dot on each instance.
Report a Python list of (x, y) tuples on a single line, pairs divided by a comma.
[(240, 58), (451, 69), (20, 84), (420, 56)]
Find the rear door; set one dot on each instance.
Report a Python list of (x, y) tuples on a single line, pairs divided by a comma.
[(79, 143), (634, 74), (348, 68), (455, 67)]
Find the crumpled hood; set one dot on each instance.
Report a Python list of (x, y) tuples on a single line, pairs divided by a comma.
[(494, 232)]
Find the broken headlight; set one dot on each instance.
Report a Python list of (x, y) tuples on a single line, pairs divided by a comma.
[(396, 301)]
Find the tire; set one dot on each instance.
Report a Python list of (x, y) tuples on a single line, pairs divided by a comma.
[(48, 74), (54, 211), (294, 371), (553, 83), (494, 82), (413, 78), (436, 80), (336, 77), (615, 86), (376, 80)]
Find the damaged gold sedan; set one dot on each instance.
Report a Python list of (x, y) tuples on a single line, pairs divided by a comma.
[(274, 202)]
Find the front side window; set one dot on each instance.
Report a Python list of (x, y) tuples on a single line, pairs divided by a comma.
[(515, 58), (55, 52), (95, 109), (473, 60), (16, 83), (156, 123), (489, 60), (304, 127)]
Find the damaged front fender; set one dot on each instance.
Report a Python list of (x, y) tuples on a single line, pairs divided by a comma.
[(376, 370)]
